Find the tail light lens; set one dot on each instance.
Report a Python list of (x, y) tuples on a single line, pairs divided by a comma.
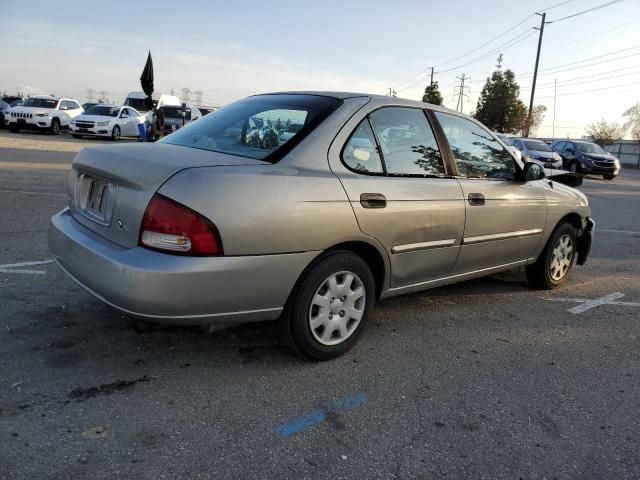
[(171, 227)]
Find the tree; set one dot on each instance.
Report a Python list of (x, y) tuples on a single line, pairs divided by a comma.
[(605, 133), (432, 94), (633, 124), (499, 107), (536, 119)]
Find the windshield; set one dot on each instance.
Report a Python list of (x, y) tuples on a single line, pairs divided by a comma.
[(252, 127), (41, 102), (103, 111), (175, 112), (537, 146), (589, 148), (139, 104)]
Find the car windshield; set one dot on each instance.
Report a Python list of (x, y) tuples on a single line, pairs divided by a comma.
[(175, 112), (589, 148), (537, 145), (252, 127), (41, 102), (103, 111), (139, 104)]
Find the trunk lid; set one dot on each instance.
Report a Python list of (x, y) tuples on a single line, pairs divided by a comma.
[(110, 186)]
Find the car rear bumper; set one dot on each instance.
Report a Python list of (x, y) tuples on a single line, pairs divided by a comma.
[(171, 288)]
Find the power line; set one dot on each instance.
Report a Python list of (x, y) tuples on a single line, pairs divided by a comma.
[(598, 7), (593, 90), (556, 5), (563, 84)]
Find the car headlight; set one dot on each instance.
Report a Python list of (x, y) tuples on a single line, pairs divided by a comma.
[(102, 124), (42, 114)]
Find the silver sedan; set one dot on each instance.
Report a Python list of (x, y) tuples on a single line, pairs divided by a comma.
[(371, 197)]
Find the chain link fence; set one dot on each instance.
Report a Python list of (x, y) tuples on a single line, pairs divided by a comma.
[(627, 151)]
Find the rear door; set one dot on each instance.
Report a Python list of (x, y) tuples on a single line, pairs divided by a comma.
[(396, 181), (505, 217)]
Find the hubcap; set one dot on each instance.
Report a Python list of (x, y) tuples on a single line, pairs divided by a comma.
[(561, 258), (337, 308), (573, 168)]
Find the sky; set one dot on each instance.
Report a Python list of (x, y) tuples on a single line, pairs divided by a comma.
[(229, 50)]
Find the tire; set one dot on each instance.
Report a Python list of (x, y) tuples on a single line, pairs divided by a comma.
[(115, 133), (574, 167), (75, 135), (609, 177), (14, 128), (556, 260), (54, 129), (318, 297)]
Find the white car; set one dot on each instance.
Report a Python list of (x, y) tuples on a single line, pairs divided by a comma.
[(107, 121), (44, 112)]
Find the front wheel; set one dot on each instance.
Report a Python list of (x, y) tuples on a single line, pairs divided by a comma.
[(54, 129), (13, 128), (574, 167), (555, 262), (329, 306), (115, 133)]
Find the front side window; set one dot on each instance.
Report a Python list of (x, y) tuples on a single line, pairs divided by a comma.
[(360, 152), (558, 147), (477, 153), (253, 127), (407, 142)]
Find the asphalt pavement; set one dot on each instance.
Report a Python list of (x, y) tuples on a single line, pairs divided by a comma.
[(484, 379)]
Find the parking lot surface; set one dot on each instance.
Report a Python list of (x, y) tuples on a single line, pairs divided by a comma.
[(484, 379)]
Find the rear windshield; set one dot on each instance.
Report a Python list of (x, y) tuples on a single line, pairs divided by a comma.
[(589, 148), (175, 112), (537, 146), (41, 103), (253, 127), (102, 110)]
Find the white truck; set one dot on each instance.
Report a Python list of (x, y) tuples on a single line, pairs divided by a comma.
[(137, 100)]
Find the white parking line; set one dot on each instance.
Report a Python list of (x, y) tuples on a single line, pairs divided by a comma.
[(587, 304), (14, 267), (26, 192)]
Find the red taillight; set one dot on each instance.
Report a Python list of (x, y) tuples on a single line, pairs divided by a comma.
[(172, 227)]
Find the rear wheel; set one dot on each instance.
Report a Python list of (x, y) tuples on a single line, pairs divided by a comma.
[(115, 133), (574, 167), (54, 129), (555, 262), (609, 177), (329, 306), (75, 135)]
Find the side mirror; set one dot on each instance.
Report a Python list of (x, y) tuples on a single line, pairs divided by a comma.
[(361, 154), (533, 171), (63, 108)]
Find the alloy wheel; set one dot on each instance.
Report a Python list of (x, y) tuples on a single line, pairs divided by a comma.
[(337, 308), (561, 258)]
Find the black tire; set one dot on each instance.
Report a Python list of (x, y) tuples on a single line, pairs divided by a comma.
[(574, 167), (54, 129), (115, 133), (13, 128), (75, 135), (609, 177), (540, 274), (295, 321)]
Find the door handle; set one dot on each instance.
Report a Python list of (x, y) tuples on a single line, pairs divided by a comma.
[(373, 200), (476, 199)]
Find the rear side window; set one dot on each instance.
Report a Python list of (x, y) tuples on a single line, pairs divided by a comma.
[(407, 142), (360, 152), (477, 153), (255, 127)]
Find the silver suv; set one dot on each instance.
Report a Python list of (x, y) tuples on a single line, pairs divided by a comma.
[(372, 197)]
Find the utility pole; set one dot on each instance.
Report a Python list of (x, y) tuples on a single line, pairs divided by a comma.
[(461, 94), (90, 92), (103, 96), (431, 76), (535, 74), (185, 95), (392, 92), (555, 83)]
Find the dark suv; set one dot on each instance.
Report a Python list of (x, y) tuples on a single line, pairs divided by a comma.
[(586, 157)]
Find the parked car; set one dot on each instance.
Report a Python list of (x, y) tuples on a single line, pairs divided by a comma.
[(586, 157), (44, 112), (87, 105), (12, 100), (138, 101), (173, 118), (538, 151), (4, 113), (203, 227), (103, 120), (290, 131), (508, 141)]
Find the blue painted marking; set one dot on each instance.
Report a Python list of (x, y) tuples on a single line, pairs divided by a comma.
[(318, 416)]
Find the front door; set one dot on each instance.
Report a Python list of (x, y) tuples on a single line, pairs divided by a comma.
[(397, 184), (505, 217)]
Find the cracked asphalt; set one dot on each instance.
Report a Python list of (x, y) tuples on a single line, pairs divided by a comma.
[(483, 379)]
